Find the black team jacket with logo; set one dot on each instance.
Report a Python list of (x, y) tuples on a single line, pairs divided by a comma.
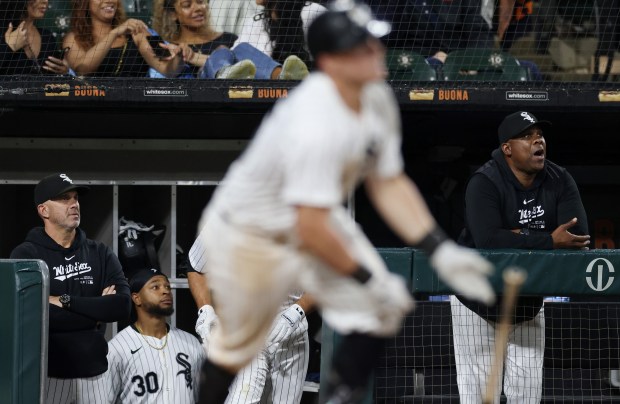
[(495, 203), (77, 347)]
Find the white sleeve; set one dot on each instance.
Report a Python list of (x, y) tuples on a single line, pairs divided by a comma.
[(113, 375), (201, 356), (197, 255), (230, 15), (254, 33), (390, 161), (313, 170)]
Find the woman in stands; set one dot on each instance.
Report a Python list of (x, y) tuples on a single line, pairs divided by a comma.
[(103, 42), (279, 30), (26, 49), (211, 54)]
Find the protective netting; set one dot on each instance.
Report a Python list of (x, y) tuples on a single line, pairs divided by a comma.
[(431, 40), (578, 347)]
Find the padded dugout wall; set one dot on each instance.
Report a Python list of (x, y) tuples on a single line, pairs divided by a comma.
[(24, 292)]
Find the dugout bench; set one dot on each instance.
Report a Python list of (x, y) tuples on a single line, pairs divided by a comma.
[(582, 337)]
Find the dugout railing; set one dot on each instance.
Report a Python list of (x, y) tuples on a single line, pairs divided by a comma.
[(165, 95), (582, 333)]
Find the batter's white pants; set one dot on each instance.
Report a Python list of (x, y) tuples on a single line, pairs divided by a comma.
[(251, 275), (474, 345), (90, 390), (276, 375)]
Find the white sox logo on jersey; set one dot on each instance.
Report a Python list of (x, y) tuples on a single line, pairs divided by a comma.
[(182, 360), (527, 215), (601, 271), (63, 272)]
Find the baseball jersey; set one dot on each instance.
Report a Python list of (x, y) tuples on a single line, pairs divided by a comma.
[(496, 202), (198, 258), (139, 373), (312, 150)]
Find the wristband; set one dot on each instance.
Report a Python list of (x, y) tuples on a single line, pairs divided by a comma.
[(432, 240), (361, 274), (292, 320)]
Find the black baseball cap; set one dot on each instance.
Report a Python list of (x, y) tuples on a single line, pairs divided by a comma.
[(54, 185), (345, 25), (140, 278), (515, 124)]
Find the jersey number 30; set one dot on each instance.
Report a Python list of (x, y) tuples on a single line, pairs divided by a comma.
[(148, 383)]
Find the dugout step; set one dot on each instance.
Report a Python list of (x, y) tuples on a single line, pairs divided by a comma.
[(545, 400), (559, 386)]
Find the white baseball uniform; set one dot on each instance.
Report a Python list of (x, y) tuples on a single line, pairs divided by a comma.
[(140, 373), (312, 150), (474, 349), (86, 390), (276, 375)]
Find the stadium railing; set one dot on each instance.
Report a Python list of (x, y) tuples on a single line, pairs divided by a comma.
[(582, 333)]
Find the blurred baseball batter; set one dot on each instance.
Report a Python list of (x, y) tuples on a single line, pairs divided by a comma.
[(277, 221)]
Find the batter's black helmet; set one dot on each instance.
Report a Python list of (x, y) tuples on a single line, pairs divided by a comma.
[(345, 25)]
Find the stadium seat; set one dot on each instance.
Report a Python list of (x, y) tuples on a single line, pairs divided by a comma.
[(405, 65), (57, 18), (577, 18), (483, 65), (140, 9)]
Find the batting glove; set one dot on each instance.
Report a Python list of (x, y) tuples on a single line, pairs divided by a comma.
[(390, 291), (464, 270), (286, 323), (391, 295), (207, 320)]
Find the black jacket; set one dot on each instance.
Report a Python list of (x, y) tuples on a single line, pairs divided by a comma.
[(77, 347), (18, 63), (496, 203)]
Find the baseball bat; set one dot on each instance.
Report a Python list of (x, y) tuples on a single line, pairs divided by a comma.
[(513, 280)]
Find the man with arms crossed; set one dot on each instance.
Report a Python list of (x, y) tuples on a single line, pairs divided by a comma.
[(87, 290), (518, 199)]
